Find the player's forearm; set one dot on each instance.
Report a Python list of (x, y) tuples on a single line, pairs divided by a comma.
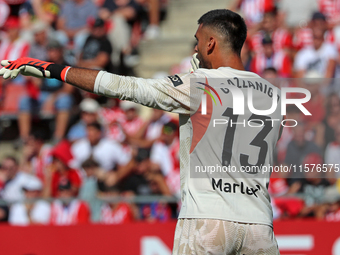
[(82, 78)]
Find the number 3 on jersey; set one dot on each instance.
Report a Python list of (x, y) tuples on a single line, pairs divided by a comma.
[(258, 141)]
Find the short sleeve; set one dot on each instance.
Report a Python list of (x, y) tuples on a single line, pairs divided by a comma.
[(17, 215), (41, 213), (333, 53), (122, 157), (300, 61)]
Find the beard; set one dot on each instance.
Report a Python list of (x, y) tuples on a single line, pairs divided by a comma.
[(203, 63)]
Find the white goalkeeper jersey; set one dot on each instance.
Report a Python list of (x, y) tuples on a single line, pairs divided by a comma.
[(219, 145)]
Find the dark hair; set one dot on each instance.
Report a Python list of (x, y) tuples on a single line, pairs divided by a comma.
[(90, 162), (267, 40), (272, 12), (142, 154), (95, 125), (270, 69), (229, 24)]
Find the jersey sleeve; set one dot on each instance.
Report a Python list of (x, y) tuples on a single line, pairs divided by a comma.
[(171, 94), (300, 61)]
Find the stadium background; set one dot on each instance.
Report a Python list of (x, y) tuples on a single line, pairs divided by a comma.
[(126, 202)]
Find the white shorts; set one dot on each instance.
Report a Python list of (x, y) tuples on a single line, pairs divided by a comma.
[(214, 237)]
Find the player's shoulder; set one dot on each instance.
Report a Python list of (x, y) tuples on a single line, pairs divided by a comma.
[(225, 72), (184, 78)]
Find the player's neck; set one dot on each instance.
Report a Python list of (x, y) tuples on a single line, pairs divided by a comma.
[(233, 61)]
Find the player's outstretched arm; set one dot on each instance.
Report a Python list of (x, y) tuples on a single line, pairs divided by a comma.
[(79, 77), (169, 94)]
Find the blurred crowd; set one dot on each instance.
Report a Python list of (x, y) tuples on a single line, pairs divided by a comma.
[(99, 149), (101, 153), (109, 154)]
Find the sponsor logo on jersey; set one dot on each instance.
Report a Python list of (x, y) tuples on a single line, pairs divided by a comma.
[(175, 80), (234, 187)]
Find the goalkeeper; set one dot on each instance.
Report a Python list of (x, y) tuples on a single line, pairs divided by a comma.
[(218, 216)]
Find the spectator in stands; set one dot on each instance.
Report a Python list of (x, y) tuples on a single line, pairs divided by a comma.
[(303, 36), (331, 8), (97, 49), (14, 180), (115, 212), (30, 212), (107, 153), (156, 212), (128, 9), (60, 172), (330, 210), (111, 115), (123, 123), (36, 156), (252, 10), (132, 123), (153, 6), (156, 123), (270, 74), (13, 46), (294, 14), (121, 13), (293, 113), (311, 188), (332, 152), (39, 10), (94, 181), (47, 94), (142, 176), (89, 114), (270, 58), (313, 82), (4, 210), (151, 131), (332, 117), (297, 150), (3, 177), (246, 56), (67, 210), (165, 154), (282, 39), (320, 57), (4, 12), (72, 22), (39, 46)]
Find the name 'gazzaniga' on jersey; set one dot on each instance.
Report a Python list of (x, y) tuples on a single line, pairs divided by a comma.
[(232, 195)]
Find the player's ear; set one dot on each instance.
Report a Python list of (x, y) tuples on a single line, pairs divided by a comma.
[(211, 45)]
